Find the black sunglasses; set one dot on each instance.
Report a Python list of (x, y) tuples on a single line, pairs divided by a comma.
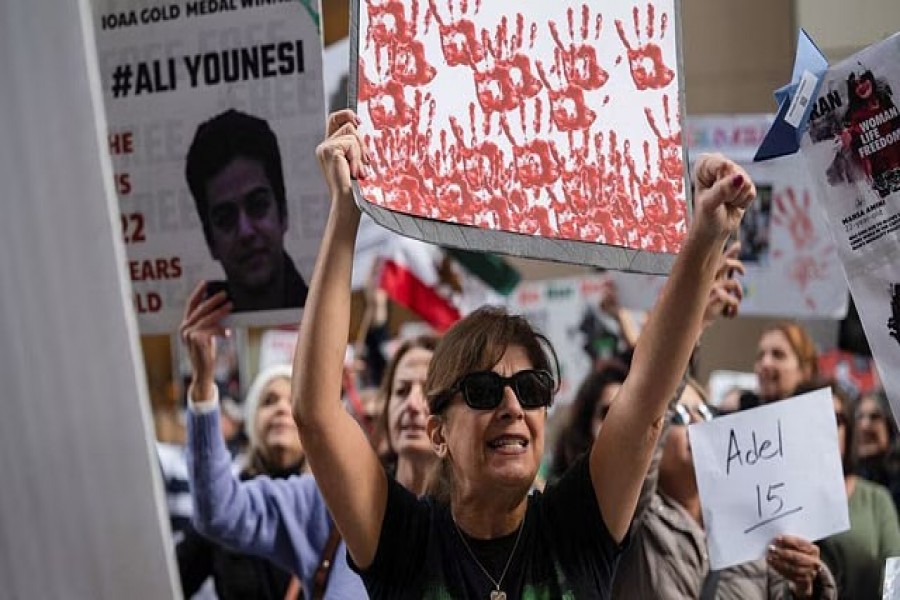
[(483, 390), (681, 414)]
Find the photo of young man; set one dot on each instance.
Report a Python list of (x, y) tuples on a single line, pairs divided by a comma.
[(234, 173)]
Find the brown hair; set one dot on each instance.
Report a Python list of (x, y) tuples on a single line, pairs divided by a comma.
[(802, 344), (477, 343), (386, 389)]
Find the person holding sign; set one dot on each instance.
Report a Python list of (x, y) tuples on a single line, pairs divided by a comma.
[(668, 557), (285, 520), (234, 172), (489, 385)]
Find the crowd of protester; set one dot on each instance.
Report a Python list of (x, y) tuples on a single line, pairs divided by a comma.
[(435, 494)]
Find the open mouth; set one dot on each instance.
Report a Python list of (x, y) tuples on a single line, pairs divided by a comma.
[(508, 442)]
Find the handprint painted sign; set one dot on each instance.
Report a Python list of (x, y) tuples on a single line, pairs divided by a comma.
[(547, 130)]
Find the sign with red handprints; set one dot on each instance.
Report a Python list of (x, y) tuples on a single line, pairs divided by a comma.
[(550, 130)]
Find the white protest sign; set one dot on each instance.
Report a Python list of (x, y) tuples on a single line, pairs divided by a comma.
[(891, 590), (544, 129), (767, 471), (852, 149), (214, 111)]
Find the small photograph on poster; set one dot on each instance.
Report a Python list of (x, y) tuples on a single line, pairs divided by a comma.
[(755, 228)]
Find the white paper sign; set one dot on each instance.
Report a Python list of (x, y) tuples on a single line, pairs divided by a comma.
[(771, 470)]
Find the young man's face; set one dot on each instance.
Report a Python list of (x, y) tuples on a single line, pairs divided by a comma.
[(246, 231)]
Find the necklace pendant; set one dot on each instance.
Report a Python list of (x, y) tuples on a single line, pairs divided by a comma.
[(498, 595)]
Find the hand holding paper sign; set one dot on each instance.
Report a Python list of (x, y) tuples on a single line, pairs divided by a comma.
[(753, 473)]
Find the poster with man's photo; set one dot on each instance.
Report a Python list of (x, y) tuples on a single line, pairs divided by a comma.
[(214, 110), (852, 148)]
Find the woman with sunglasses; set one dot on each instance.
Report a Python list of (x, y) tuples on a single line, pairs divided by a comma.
[(489, 385), (667, 558)]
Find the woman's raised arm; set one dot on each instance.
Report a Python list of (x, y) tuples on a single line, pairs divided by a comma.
[(622, 451), (345, 465)]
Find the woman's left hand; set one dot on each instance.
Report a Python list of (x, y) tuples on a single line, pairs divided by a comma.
[(797, 560)]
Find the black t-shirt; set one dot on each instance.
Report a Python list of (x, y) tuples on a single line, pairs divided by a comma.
[(565, 550)]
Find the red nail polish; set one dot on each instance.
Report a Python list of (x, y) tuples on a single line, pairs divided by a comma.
[(738, 181)]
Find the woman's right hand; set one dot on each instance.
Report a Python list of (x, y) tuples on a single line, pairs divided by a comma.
[(341, 155), (202, 321)]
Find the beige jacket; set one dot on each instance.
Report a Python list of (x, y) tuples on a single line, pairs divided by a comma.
[(667, 558)]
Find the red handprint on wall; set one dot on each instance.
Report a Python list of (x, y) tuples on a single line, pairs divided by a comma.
[(645, 58), (387, 22), (579, 59)]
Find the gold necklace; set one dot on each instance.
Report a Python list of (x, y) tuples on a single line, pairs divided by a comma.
[(496, 593)]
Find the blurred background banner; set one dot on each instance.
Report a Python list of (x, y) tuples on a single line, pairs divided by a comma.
[(792, 265), (81, 510)]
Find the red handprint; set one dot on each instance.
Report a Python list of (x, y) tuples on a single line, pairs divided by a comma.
[(482, 161), (671, 164), (648, 71), (460, 41), (504, 79), (536, 161), (579, 60), (568, 109), (397, 152), (796, 218), (809, 262), (387, 22)]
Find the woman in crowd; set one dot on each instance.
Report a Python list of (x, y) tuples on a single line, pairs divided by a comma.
[(668, 558), (786, 356), (275, 451), (489, 385), (586, 415), (857, 556), (286, 520), (875, 443)]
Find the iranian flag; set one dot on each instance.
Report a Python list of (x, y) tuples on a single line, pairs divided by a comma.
[(441, 286)]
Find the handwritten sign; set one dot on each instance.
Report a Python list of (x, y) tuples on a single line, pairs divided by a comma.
[(767, 471)]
